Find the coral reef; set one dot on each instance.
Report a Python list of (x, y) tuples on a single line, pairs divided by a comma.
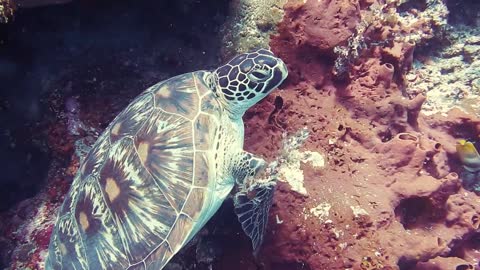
[(31, 222), (378, 183), (389, 196), (249, 25), (445, 263), (450, 75), (386, 23)]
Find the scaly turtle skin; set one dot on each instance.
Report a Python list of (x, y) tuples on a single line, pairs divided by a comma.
[(163, 167)]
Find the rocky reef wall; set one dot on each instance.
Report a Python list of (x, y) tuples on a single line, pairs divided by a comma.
[(389, 195), (376, 184)]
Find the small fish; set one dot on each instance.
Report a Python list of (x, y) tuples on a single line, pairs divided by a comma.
[(470, 158)]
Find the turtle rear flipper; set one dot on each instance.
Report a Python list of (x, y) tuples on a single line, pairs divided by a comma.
[(252, 206)]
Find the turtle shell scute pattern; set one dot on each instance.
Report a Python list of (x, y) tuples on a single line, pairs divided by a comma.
[(96, 227), (178, 96), (143, 213), (145, 180), (65, 249), (128, 122)]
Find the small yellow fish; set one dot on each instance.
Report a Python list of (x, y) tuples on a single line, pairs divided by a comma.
[(468, 154), (470, 158)]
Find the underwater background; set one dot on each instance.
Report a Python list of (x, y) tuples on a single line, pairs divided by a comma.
[(387, 90)]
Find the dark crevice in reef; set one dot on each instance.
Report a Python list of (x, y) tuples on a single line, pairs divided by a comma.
[(460, 12), (418, 212), (406, 264), (420, 5), (291, 266), (464, 12), (466, 244), (219, 243), (103, 52)]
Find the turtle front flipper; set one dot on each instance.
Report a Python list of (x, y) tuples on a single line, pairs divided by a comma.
[(256, 186), (252, 206), (248, 166)]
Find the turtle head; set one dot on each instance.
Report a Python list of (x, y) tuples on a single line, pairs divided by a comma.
[(248, 78)]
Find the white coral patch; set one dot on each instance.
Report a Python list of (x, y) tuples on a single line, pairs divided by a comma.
[(314, 158), (357, 211), (343, 245), (450, 78), (337, 233), (290, 171), (322, 211)]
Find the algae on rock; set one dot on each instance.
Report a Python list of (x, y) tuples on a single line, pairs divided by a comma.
[(398, 24), (250, 24), (450, 77)]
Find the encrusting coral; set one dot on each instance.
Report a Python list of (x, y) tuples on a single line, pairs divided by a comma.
[(450, 75), (382, 24), (249, 25), (389, 195)]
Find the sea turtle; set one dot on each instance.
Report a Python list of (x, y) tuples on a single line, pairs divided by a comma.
[(164, 166)]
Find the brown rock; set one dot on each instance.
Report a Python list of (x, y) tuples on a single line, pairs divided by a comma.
[(440, 263), (391, 183), (329, 23)]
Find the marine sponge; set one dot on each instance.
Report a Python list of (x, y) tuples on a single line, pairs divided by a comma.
[(470, 158), (391, 26)]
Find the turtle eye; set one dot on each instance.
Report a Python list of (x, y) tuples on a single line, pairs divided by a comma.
[(259, 74)]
